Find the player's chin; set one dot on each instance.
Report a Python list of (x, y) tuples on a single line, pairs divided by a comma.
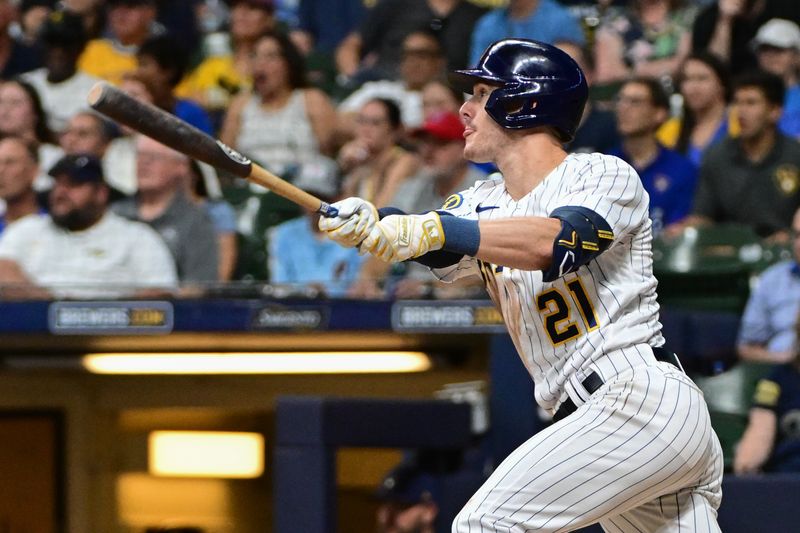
[(475, 154)]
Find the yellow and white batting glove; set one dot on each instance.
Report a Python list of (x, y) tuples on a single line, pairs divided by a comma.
[(356, 219), (397, 238)]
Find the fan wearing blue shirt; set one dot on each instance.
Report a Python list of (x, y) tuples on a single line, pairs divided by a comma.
[(541, 20), (668, 177), (299, 255)]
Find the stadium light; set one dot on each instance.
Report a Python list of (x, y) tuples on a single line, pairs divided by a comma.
[(216, 454), (257, 363)]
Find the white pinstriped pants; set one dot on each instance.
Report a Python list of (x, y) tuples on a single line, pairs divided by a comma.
[(639, 456)]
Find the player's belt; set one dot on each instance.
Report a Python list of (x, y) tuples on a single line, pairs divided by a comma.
[(593, 382)]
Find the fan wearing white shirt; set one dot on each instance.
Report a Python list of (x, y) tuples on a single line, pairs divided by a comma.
[(82, 250), (61, 86)]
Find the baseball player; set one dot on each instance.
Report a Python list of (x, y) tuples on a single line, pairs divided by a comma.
[(563, 244)]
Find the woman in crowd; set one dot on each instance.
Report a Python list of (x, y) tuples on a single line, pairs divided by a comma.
[(439, 97), (704, 84), (22, 115), (373, 163), (282, 123)]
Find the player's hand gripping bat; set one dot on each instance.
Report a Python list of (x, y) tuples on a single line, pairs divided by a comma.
[(185, 138)]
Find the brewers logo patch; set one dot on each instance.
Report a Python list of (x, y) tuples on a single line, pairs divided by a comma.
[(787, 177), (453, 201)]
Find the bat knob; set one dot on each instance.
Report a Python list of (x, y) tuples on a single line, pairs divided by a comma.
[(327, 210)]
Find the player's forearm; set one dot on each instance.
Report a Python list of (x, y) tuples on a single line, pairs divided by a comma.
[(525, 243)]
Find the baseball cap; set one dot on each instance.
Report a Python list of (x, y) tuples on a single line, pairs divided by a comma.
[(63, 28), (83, 168), (408, 484), (780, 33), (444, 126)]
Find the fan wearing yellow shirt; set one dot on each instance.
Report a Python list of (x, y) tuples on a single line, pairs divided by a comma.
[(226, 70), (130, 22)]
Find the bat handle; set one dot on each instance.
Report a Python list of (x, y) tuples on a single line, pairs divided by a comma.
[(327, 210)]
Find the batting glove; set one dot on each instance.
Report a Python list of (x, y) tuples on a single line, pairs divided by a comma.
[(356, 219), (398, 238)]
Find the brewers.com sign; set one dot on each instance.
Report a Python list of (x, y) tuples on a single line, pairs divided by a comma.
[(129, 318), (478, 316)]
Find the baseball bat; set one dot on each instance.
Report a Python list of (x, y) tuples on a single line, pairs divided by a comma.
[(171, 131)]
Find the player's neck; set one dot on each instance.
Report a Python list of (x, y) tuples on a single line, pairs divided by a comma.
[(527, 161)]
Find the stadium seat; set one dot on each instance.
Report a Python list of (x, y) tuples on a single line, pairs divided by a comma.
[(706, 268), (256, 211)]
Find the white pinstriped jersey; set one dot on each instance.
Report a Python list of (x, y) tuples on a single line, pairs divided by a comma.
[(598, 318)]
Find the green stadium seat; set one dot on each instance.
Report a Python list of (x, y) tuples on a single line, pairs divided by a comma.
[(257, 211), (706, 268)]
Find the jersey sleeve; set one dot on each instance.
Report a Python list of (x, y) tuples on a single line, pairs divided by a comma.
[(611, 188), (462, 205)]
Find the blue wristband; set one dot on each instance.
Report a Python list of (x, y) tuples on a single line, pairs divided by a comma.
[(461, 235)]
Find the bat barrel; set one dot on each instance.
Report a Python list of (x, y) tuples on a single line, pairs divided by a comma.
[(166, 129)]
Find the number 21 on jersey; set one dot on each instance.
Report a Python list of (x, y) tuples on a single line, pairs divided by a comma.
[(556, 309)]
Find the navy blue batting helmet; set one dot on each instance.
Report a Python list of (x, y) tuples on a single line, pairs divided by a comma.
[(538, 85)]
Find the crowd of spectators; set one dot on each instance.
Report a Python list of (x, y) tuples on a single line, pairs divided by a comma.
[(701, 97), (350, 98)]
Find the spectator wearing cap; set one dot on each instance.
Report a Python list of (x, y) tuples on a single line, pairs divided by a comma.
[(81, 250), (777, 49), (16, 56), (62, 87), (301, 257), (130, 23), (162, 62), (226, 68), (161, 202), (18, 170), (443, 175)]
